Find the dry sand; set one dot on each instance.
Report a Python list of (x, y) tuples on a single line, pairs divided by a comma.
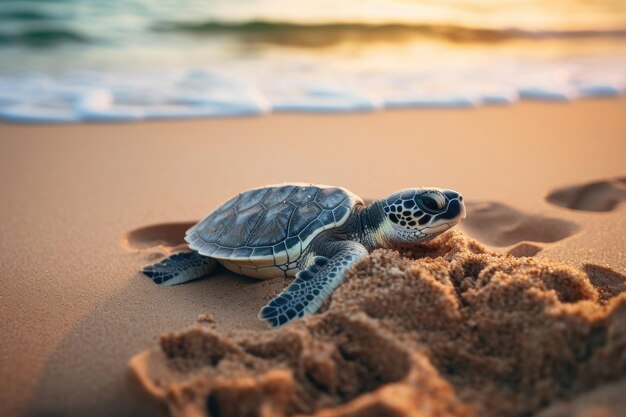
[(84, 207)]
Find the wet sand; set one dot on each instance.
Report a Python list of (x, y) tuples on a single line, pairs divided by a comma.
[(84, 207)]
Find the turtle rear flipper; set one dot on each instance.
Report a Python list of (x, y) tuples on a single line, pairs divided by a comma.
[(180, 267), (313, 285)]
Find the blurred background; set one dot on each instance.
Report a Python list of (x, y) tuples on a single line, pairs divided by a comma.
[(72, 60)]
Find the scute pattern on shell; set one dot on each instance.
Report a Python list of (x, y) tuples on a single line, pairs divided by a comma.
[(265, 222)]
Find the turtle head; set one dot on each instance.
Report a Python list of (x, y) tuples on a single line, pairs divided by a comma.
[(418, 214)]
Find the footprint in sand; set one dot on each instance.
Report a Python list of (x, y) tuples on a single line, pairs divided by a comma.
[(594, 196), (497, 224), (169, 235)]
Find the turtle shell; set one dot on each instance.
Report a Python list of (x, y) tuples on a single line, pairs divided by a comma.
[(270, 226)]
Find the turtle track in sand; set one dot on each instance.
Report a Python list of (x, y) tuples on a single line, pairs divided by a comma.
[(604, 195), (447, 329), (162, 234)]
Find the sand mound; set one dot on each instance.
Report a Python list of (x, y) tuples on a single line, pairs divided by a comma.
[(446, 329)]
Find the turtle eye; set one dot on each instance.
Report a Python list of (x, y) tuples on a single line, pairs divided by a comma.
[(432, 201)]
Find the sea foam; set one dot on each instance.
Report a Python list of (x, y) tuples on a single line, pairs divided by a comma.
[(203, 93)]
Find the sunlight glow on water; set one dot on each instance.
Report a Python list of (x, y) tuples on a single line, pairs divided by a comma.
[(72, 60), (526, 14)]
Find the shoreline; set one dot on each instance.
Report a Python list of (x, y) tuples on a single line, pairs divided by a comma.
[(181, 94)]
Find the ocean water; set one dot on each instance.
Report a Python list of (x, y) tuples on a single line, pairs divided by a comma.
[(80, 60)]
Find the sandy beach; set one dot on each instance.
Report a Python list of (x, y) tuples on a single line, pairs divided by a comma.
[(84, 207)]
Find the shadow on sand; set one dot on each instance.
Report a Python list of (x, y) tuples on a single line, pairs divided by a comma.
[(87, 375)]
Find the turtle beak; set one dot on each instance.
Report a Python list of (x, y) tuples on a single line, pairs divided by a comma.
[(463, 211)]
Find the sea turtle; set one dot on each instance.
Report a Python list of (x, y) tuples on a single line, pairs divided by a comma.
[(312, 232)]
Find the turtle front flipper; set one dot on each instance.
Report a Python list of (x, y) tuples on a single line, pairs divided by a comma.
[(180, 267), (313, 285)]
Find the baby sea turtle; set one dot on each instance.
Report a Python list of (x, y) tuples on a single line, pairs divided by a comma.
[(312, 232)]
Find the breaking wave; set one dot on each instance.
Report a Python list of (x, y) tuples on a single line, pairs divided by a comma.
[(320, 34)]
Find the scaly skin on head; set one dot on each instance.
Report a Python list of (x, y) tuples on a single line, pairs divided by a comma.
[(410, 216)]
